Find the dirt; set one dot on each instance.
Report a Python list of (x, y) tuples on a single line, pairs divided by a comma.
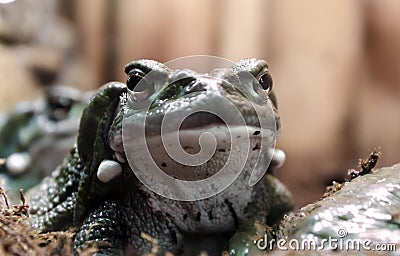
[(17, 237)]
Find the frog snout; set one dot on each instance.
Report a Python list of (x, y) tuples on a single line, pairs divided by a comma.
[(188, 83), (195, 86)]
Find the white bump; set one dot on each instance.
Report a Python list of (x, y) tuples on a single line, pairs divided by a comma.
[(18, 163), (108, 170), (279, 157)]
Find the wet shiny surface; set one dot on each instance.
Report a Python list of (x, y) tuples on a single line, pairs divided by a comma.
[(368, 207)]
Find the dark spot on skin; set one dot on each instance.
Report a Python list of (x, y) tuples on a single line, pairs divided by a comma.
[(173, 235), (238, 136), (256, 132), (198, 216), (232, 210), (159, 214), (164, 165), (256, 147), (221, 150), (210, 216), (185, 216)]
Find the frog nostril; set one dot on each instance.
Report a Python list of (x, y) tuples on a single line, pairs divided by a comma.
[(189, 85), (195, 86)]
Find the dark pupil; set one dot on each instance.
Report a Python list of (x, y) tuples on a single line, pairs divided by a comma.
[(265, 81), (133, 81)]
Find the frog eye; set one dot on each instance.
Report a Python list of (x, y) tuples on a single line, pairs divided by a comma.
[(134, 77), (139, 87), (265, 80)]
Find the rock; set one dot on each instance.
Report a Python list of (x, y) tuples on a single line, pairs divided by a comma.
[(364, 211)]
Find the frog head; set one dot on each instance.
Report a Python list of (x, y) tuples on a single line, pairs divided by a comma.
[(154, 100)]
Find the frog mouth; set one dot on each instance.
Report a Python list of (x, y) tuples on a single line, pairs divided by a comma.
[(213, 135), (190, 143), (163, 131), (189, 137), (200, 120)]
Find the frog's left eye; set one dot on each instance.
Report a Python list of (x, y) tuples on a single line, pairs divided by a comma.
[(134, 77), (265, 80), (138, 85)]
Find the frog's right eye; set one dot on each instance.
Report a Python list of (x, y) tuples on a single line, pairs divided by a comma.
[(134, 77), (139, 86)]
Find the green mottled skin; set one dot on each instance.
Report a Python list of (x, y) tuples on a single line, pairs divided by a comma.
[(114, 214)]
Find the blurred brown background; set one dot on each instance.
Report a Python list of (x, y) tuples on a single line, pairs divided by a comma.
[(336, 64)]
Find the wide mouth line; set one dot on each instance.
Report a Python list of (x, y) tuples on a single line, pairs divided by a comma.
[(223, 134), (219, 130)]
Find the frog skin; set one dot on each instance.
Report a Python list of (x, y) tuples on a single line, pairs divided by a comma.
[(43, 129), (96, 192)]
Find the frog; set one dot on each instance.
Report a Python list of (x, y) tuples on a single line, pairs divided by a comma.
[(44, 128), (96, 192)]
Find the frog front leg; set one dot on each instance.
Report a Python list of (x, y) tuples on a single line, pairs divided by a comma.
[(142, 217), (119, 232), (265, 210), (103, 229)]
